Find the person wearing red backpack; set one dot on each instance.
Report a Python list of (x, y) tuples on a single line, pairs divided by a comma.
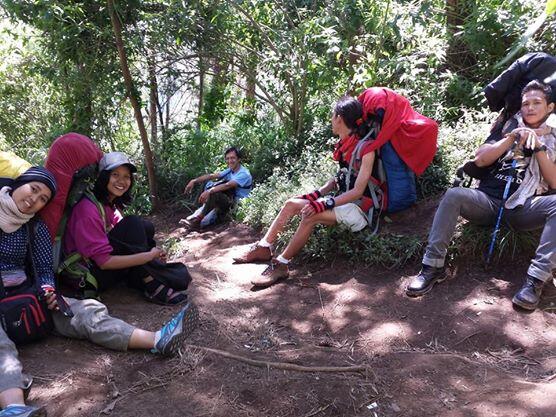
[(380, 115), (26, 271)]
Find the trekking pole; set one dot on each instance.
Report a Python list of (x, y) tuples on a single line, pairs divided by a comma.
[(500, 213)]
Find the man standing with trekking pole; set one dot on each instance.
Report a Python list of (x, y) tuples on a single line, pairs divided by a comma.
[(526, 153)]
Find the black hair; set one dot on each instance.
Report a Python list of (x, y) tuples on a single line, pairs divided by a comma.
[(233, 149), (537, 85), (100, 191), (351, 111)]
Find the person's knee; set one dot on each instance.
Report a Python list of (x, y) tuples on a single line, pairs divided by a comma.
[(131, 222), (454, 196), (149, 227), (552, 206), (89, 313), (292, 206)]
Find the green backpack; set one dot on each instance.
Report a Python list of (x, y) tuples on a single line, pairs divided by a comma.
[(72, 269)]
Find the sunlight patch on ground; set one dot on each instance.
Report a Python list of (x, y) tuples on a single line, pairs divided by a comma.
[(386, 334), (303, 326), (539, 395), (244, 273), (223, 290), (341, 296), (528, 335), (482, 306)]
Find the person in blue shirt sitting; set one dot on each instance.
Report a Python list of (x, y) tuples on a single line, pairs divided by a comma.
[(222, 190)]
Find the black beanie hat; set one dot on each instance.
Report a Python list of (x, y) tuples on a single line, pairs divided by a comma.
[(38, 174)]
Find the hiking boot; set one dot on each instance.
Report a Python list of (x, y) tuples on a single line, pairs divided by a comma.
[(423, 282), (256, 253), (192, 225), (529, 295), (27, 384), (173, 333), (23, 411), (274, 273)]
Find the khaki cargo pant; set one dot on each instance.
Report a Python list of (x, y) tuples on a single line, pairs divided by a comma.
[(91, 321)]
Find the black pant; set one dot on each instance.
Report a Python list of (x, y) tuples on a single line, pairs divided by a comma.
[(130, 236), (221, 201)]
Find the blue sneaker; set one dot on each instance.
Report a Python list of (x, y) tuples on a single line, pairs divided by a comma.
[(23, 411), (173, 333)]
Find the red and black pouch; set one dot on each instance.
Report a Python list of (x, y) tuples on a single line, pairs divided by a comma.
[(24, 315)]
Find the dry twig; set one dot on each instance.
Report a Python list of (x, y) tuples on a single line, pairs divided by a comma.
[(282, 365)]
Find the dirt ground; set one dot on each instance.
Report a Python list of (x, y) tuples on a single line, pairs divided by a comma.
[(461, 350)]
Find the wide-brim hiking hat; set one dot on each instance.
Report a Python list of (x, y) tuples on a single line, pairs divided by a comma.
[(113, 160)]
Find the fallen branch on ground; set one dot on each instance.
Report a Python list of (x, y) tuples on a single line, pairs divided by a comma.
[(282, 365)]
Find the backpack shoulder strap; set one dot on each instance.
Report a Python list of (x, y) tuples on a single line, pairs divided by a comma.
[(100, 208), (355, 159), (31, 227)]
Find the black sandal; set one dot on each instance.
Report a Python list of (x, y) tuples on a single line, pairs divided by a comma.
[(161, 294)]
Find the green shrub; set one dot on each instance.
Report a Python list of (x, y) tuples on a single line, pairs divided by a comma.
[(456, 145), (472, 242)]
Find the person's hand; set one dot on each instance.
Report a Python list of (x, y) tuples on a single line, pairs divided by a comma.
[(189, 187), (156, 253), (528, 138), (308, 210), (204, 197), (49, 294), (51, 302)]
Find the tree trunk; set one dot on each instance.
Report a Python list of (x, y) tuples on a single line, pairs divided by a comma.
[(251, 85), (160, 116), (201, 92), (82, 99), (458, 56), (153, 99), (168, 112), (117, 27)]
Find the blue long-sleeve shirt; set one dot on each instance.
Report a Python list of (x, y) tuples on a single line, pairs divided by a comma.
[(13, 251)]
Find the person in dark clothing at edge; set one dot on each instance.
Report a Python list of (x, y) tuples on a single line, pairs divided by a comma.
[(351, 121), (221, 192), (530, 205)]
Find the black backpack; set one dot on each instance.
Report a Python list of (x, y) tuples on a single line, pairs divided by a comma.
[(23, 312)]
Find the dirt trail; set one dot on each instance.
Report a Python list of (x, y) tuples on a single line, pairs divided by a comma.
[(459, 351)]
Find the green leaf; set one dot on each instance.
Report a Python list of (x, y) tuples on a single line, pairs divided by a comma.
[(550, 7)]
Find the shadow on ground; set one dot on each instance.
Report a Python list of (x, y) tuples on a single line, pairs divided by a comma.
[(459, 351)]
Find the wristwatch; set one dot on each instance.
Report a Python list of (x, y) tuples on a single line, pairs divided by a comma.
[(541, 148), (329, 203)]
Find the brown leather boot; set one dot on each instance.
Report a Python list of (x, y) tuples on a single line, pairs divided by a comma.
[(255, 253), (275, 272)]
